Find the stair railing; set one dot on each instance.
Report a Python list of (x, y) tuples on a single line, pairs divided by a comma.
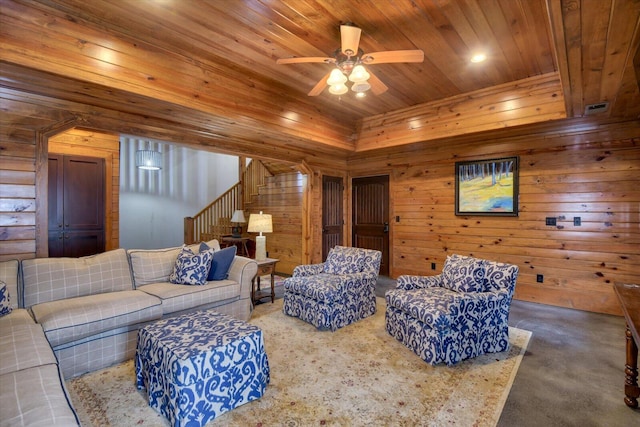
[(214, 221)]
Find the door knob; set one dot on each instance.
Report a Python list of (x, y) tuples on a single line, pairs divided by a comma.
[(386, 227)]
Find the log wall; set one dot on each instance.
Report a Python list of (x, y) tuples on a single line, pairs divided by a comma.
[(593, 175), (17, 194)]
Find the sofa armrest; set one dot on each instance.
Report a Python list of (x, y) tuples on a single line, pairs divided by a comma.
[(408, 282), (243, 270), (308, 270)]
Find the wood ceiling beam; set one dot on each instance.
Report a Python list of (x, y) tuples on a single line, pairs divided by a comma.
[(229, 96), (532, 100)]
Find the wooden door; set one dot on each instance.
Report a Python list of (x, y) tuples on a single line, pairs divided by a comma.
[(76, 205), (370, 219), (332, 213)]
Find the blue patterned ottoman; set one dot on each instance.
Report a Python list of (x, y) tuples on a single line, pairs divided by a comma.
[(200, 365)]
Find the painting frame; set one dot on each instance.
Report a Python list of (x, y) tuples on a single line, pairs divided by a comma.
[(487, 187)]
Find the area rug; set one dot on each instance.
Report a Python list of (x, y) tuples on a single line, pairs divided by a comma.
[(356, 376)]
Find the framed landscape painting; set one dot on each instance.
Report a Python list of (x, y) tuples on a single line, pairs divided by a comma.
[(487, 187)]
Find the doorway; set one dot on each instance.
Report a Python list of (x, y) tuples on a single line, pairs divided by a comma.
[(332, 213), (370, 217), (76, 205)]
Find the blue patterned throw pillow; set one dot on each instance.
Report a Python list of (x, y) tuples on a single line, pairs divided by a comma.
[(5, 302), (344, 260), (190, 268), (463, 274)]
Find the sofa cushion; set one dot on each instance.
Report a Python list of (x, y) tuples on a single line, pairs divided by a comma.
[(191, 268), (9, 275), (22, 347), (35, 397), (221, 263), (182, 297), (463, 274), (152, 265), (18, 316), (435, 307), (344, 260), (50, 279), (75, 318), (5, 302), (321, 287)]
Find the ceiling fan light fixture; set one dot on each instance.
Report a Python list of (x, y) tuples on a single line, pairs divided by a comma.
[(336, 77), (338, 89), (359, 74)]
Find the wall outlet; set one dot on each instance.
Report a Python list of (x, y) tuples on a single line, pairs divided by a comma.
[(539, 278), (577, 221), (550, 220), (433, 265)]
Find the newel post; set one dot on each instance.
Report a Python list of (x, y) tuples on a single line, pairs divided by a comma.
[(188, 230)]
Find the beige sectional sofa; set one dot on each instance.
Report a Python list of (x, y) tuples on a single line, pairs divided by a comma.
[(76, 315)]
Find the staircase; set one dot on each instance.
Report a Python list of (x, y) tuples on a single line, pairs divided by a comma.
[(214, 221)]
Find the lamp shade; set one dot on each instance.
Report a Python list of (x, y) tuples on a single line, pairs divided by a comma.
[(336, 77), (149, 160), (359, 74), (238, 216), (339, 89), (360, 87), (260, 223)]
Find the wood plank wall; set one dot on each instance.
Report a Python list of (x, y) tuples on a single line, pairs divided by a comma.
[(564, 174), (107, 146), (282, 197)]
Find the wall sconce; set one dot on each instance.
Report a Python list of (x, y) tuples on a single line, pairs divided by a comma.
[(149, 160), (237, 218), (260, 223)]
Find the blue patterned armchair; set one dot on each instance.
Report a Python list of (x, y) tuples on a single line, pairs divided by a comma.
[(336, 293), (459, 314)]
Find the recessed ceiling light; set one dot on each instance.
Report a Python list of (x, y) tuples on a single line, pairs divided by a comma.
[(478, 57)]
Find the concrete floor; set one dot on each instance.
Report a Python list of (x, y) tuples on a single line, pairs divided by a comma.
[(572, 373)]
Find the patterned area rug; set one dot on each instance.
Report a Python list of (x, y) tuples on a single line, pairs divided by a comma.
[(356, 376)]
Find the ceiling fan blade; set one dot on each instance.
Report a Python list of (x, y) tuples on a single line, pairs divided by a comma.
[(350, 37), (306, 59), (390, 56), (377, 87), (319, 87)]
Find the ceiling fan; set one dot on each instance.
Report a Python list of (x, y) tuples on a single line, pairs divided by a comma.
[(349, 60)]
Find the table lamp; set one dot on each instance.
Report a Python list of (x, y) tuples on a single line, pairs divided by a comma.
[(260, 223), (237, 218)]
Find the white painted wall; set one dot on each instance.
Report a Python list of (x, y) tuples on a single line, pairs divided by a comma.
[(153, 204)]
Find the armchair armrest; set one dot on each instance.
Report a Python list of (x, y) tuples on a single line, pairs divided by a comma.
[(408, 282), (307, 270), (494, 304)]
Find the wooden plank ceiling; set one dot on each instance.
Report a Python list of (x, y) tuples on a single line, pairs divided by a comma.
[(205, 72)]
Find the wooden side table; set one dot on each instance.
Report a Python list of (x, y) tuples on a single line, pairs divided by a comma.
[(239, 242), (629, 296), (267, 266)]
